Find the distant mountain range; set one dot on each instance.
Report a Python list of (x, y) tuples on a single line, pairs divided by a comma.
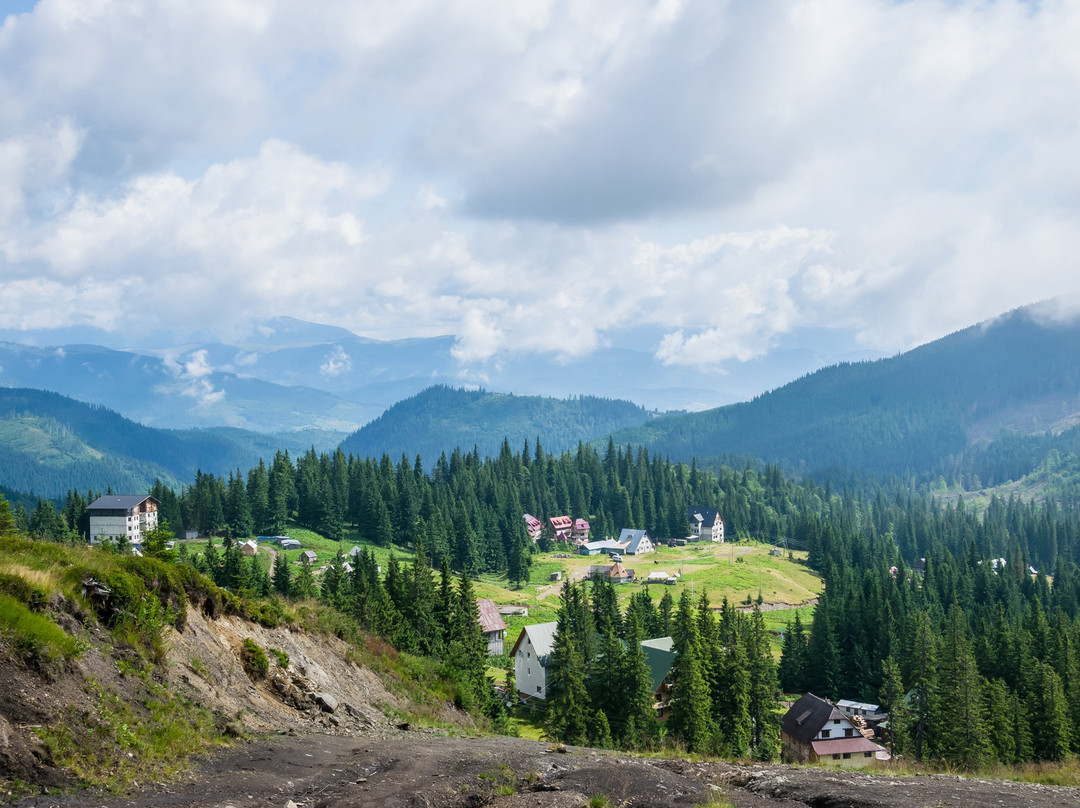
[(440, 419), (288, 374), (987, 402), (917, 412)]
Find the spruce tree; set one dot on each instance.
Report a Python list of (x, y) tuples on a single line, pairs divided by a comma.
[(690, 696), (925, 716), (567, 696), (962, 736), (1050, 716), (792, 671), (891, 696), (636, 691), (764, 690), (731, 687), (282, 575)]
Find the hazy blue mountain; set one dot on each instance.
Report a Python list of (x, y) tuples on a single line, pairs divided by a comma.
[(50, 443), (441, 419), (180, 391), (285, 374), (919, 411)]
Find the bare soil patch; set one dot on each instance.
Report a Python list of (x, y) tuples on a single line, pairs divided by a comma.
[(386, 767)]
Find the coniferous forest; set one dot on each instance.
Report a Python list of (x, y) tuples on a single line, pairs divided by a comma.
[(964, 624)]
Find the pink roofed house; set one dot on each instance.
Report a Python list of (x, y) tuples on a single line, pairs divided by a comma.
[(561, 527), (581, 530), (533, 526)]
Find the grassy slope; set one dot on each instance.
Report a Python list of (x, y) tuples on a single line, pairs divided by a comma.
[(733, 570)]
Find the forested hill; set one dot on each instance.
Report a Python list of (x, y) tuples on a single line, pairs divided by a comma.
[(50, 444), (917, 412), (442, 418)]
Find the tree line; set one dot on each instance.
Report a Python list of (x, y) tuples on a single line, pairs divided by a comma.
[(939, 615), (722, 687)]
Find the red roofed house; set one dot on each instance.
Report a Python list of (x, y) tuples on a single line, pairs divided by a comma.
[(814, 730), (581, 531), (533, 526), (491, 623), (561, 527)]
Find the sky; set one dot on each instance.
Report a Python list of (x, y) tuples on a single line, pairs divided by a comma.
[(540, 176)]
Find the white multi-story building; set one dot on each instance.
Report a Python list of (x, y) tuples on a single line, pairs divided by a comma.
[(113, 516)]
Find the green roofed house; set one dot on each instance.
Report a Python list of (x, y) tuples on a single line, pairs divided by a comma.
[(660, 656)]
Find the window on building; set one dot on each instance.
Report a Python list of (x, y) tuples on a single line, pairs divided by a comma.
[(848, 732), (825, 733), (867, 754), (538, 688), (847, 755), (835, 757), (836, 720)]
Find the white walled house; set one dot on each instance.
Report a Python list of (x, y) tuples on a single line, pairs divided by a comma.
[(131, 517), (532, 655), (637, 542), (814, 730), (706, 524)]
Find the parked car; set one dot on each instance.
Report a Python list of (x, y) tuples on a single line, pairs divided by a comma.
[(616, 558)]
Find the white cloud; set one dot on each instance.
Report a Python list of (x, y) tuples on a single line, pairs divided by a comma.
[(337, 362), (537, 176), (192, 378)]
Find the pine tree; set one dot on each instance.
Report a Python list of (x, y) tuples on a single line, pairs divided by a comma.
[(467, 652), (925, 718), (304, 586), (566, 692), (891, 696), (282, 575), (962, 737), (792, 671), (730, 686), (636, 691), (1050, 717), (764, 690), (690, 697), (997, 703)]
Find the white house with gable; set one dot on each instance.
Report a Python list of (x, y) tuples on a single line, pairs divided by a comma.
[(532, 655)]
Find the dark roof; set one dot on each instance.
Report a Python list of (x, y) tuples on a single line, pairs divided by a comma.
[(114, 502), (708, 515), (807, 716)]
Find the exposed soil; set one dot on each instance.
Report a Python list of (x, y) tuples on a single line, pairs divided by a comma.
[(397, 769), (326, 739)]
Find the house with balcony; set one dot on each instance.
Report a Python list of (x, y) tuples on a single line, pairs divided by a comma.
[(118, 516)]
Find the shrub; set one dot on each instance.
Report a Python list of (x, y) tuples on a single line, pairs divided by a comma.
[(282, 657), (254, 660)]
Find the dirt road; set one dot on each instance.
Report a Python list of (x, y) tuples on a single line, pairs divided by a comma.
[(398, 769)]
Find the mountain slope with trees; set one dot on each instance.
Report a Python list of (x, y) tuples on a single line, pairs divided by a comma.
[(441, 419), (919, 412), (51, 444)]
